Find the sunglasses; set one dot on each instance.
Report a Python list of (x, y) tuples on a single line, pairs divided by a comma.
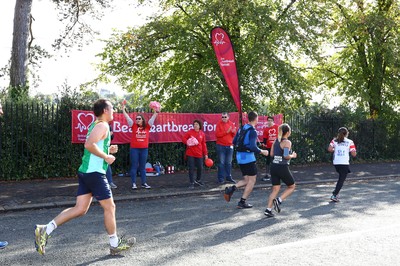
[(138, 118), (224, 117)]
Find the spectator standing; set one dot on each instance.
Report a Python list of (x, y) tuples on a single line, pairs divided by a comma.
[(139, 145), (196, 152), (225, 132), (270, 133)]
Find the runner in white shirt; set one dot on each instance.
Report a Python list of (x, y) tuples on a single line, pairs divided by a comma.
[(341, 147)]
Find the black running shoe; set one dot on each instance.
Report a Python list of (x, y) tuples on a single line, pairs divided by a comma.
[(277, 206), (198, 182), (244, 205), (231, 181), (228, 193), (268, 213)]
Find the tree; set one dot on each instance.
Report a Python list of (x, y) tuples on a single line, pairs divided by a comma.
[(19, 55), (366, 67), (25, 53), (171, 58)]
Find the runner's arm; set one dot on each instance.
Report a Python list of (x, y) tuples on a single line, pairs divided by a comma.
[(98, 133)]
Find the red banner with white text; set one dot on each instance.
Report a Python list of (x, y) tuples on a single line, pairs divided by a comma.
[(168, 127), (223, 49)]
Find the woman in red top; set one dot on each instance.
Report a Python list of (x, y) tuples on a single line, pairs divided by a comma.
[(139, 146), (196, 151)]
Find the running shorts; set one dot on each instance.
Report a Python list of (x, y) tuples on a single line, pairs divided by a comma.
[(95, 183), (248, 169), (281, 172)]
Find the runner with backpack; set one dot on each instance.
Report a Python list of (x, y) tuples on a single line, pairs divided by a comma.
[(245, 142)]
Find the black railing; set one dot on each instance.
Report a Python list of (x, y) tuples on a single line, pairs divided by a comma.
[(35, 142)]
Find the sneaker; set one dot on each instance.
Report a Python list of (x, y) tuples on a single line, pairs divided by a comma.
[(134, 186), (334, 198), (265, 178), (228, 193), (146, 186), (198, 182), (3, 244), (112, 185), (268, 213), (244, 205), (41, 238), (191, 186), (277, 206), (221, 182), (230, 180), (123, 245)]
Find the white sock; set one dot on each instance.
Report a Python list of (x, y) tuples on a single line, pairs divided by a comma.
[(270, 209), (113, 240), (50, 227), (279, 199)]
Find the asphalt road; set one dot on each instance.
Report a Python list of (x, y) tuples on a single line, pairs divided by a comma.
[(362, 229)]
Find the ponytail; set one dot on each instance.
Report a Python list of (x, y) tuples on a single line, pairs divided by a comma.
[(342, 133), (283, 130)]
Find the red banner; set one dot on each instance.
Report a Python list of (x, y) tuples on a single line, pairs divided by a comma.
[(226, 59), (168, 127)]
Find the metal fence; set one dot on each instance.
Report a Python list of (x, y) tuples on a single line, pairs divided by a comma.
[(35, 142)]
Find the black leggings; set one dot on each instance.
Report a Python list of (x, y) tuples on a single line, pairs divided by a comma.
[(195, 162), (343, 170)]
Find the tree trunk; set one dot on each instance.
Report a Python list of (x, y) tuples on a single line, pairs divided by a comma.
[(19, 54)]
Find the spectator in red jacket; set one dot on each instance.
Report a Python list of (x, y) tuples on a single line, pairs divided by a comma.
[(196, 152), (270, 134), (225, 132)]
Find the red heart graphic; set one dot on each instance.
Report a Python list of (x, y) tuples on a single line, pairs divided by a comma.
[(85, 120), (272, 131)]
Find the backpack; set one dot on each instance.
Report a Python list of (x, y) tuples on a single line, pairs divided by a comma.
[(240, 146)]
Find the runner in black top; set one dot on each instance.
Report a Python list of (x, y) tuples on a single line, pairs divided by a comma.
[(281, 152)]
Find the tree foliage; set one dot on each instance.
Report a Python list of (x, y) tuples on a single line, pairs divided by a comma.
[(26, 53), (171, 58), (365, 66)]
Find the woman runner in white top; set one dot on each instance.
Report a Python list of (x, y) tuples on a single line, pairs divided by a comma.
[(341, 147)]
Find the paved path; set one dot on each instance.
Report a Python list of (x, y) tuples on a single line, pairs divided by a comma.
[(362, 229), (36, 194)]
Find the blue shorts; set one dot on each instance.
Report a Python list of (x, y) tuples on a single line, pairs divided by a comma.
[(95, 183)]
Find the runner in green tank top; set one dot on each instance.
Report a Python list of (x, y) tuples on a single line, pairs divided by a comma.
[(92, 183), (92, 163)]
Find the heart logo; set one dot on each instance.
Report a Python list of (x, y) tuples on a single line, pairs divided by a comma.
[(272, 131), (85, 120), (219, 38)]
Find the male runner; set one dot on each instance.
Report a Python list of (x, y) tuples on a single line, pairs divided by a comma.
[(92, 183)]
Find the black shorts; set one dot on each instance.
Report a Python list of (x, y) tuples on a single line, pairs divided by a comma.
[(248, 169), (95, 183), (281, 172)]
